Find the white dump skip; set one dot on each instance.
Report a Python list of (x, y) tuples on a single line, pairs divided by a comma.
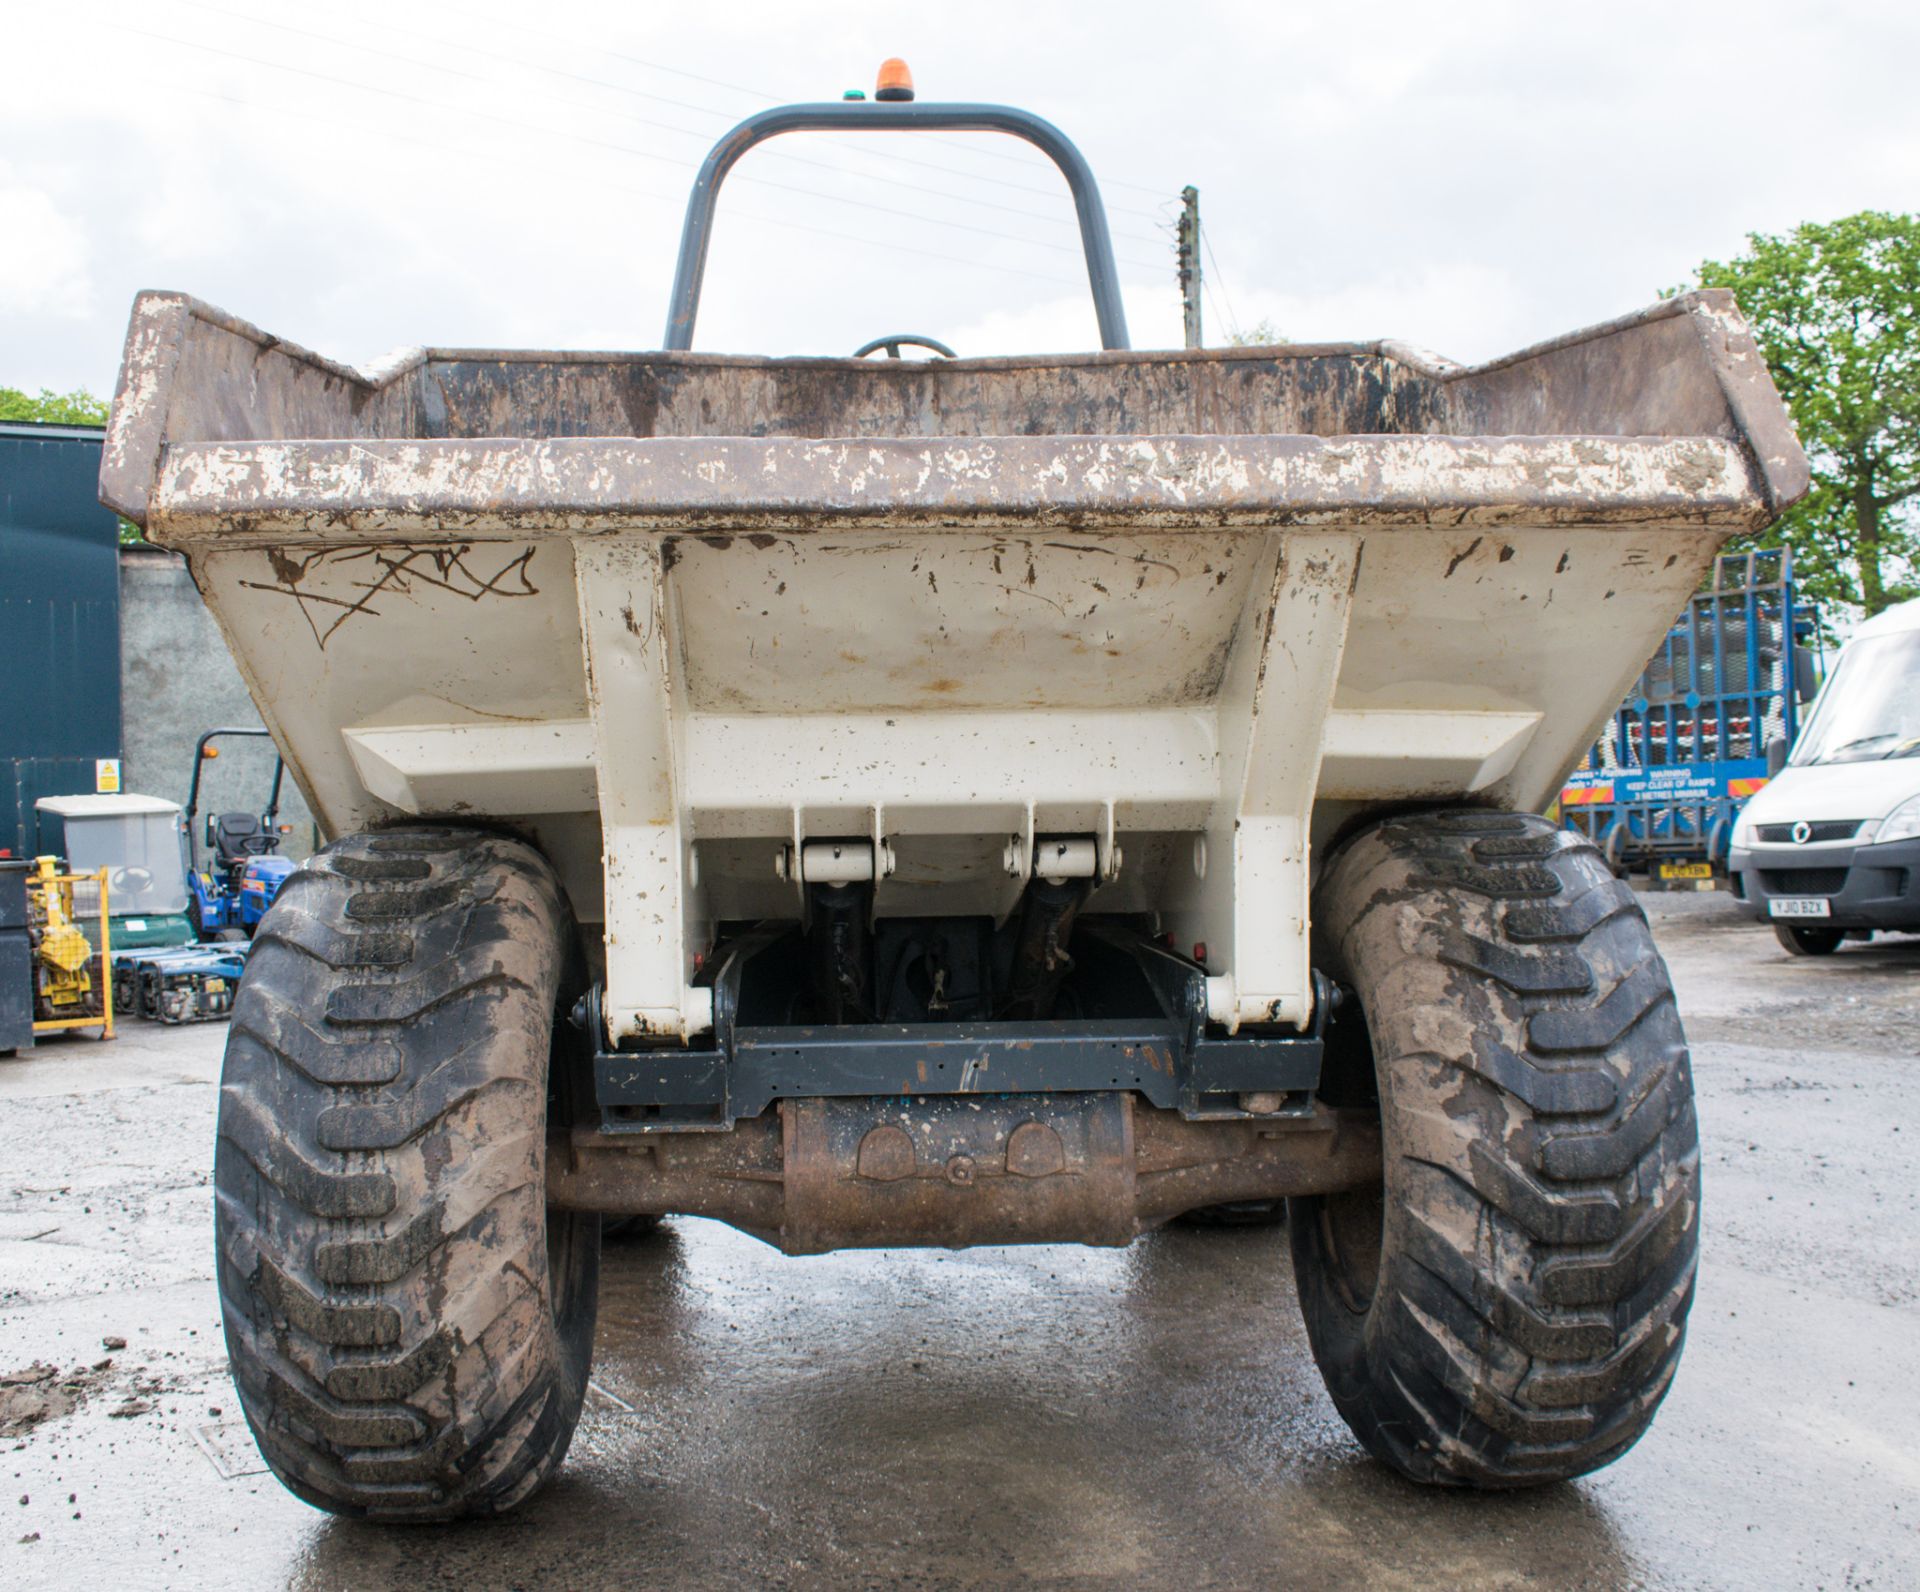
[(1204, 609)]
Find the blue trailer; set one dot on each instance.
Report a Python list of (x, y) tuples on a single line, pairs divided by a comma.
[(1710, 719)]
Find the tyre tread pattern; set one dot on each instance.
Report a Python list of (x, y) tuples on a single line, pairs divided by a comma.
[(1542, 1180), (402, 1346)]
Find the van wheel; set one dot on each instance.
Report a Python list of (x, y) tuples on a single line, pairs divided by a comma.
[(1507, 1307), (409, 1327), (1803, 941)]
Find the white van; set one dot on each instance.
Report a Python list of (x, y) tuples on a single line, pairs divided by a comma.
[(1830, 847)]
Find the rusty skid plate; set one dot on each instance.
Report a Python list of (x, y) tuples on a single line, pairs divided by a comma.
[(952, 1171)]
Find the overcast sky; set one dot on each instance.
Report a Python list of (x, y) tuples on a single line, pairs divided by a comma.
[(362, 176)]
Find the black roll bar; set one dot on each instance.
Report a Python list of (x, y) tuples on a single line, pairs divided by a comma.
[(193, 788), (888, 116)]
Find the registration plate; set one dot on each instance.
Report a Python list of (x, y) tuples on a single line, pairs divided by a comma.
[(1686, 870), (1800, 907)]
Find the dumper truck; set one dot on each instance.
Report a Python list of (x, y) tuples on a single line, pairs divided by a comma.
[(951, 801)]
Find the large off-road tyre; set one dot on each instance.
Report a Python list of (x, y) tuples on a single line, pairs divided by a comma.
[(1508, 1308), (409, 1328)]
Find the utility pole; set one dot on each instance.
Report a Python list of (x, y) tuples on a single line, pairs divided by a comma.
[(1187, 251)]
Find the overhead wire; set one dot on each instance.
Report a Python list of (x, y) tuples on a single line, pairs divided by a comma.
[(1054, 217), (603, 143), (987, 151), (1213, 261), (464, 152), (708, 110)]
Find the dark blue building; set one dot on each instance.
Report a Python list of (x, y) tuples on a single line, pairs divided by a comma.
[(59, 622)]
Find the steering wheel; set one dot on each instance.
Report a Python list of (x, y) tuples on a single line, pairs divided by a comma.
[(133, 880), (893, 342)]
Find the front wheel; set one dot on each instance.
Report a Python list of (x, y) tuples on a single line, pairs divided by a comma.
[(1507, 1307), (409, 1327), (1804, 941)]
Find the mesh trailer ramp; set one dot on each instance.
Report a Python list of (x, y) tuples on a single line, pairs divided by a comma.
[(1701, 728), (977, 800)]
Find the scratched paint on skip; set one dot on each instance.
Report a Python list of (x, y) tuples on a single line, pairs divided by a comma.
[(1003, 619), (336, 584)]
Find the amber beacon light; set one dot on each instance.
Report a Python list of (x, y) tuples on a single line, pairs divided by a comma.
[(895, 81)]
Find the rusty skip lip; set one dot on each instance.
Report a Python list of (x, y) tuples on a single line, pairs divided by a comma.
[(328, 491), (160, 397)]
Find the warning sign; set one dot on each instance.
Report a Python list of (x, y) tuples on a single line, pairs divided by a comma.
[(106, 776)]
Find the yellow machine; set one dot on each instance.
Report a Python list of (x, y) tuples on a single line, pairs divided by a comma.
[(67, 991)]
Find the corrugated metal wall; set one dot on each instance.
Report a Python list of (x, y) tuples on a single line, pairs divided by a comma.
[(59, 622)]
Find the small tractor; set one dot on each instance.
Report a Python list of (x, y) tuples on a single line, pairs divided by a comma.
[(244, 871), (229, 895)]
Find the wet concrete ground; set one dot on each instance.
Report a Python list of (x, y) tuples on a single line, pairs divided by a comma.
[(1055, 1417)]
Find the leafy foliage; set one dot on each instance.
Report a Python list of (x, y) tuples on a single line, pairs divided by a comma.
[(1259, 335), (1836, 309), (76, 408)]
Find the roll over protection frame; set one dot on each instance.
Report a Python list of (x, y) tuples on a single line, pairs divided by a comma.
[(1102, 274)]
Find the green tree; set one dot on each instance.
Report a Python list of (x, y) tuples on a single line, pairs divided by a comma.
[(1261, 333), (1836, 309), (76, 408)]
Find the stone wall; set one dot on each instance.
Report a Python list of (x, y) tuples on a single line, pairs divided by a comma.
[(177, 680)]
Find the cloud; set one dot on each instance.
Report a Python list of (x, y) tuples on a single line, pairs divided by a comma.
[(1462, 310), (1066, 324), (43, 266), (359, 175)]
